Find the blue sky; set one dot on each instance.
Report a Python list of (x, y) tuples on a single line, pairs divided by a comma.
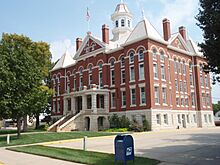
[(61, 22)]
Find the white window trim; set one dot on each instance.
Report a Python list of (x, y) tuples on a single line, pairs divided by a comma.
[(130, 73), (132, 105), (142, 104), (139, 72)]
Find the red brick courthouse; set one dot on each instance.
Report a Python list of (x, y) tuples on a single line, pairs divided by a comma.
[(137, 73)]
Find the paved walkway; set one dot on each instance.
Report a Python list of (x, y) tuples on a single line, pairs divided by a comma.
[(174, 147), (188, 147), (17, 158)]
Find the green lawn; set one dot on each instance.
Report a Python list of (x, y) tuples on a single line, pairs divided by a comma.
[(79, 156), (46, 137)]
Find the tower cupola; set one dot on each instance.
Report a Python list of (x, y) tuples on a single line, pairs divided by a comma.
[(122, 21)]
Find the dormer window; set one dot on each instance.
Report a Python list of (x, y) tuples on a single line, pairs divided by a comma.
[(122, 23), (116, 23)]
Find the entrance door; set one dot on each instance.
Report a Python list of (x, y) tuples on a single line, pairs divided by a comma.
[(184, 121), (87, 123)]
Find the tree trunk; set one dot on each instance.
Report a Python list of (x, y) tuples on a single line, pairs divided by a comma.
[(25, 127), (18, 127), (37, 121)]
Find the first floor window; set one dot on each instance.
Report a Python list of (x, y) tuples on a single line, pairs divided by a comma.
[(177, 101), (156, 95), (158, 119), (143, 95), (201, 80), (133, 97), (194, 118), (210, 118), (165, 117), (123, 98), (113, 100), (164, 95), (205, 116), (207, 100), (176, 84), (81, 81), (179, 119), (203, 99), (191, 79)]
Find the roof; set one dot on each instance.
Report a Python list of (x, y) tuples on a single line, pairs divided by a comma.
[(64, 61), (121, 8), (194, 48), (144, 29)]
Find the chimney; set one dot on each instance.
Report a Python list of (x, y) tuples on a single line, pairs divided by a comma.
[(182, 31), (78, 43), (105, 33), (166, 29)]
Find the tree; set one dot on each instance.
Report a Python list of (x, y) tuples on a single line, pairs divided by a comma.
[(216, 107), (23, 66), (209, 22)]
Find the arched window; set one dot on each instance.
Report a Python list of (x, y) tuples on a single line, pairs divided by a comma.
[(179, 66), (162, 57), (116, 23), (131, 55), (122, 61), (190, 66), (100, 65), (112, 62), (154, 53), (141, 54), (122, 23)]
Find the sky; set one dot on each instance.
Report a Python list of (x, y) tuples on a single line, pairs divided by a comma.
[(60, 22)]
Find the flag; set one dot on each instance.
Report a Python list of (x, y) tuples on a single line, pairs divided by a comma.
[(87, 14)]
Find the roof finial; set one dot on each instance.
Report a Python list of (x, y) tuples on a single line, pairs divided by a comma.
[(143, 14)]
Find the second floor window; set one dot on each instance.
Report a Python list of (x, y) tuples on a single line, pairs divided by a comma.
[(132, 78)]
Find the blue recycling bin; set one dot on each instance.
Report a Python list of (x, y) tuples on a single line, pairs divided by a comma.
[(124, 148)]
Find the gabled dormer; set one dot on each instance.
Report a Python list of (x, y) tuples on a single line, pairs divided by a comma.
[(89, 46)]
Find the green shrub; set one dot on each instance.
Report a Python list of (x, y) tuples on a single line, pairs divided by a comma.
[(136, 127), (43, 127), (124, 122), (117, 130), (146, 125), (119, 122)]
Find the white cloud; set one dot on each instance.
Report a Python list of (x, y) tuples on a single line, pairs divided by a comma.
[(179, 12), (58, 48)]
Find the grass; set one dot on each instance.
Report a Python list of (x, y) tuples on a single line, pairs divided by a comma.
[(79, 156), (46, 137)]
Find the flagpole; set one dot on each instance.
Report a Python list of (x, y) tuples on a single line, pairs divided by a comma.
[(88, 19)]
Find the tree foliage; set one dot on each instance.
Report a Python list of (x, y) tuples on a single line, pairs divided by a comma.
[(216, 107), (23, 66), (209, 22)]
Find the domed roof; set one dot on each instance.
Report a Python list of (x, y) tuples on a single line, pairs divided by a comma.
[(122, 8)]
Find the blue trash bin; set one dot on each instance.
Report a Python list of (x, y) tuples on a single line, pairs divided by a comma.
[(124, 148)]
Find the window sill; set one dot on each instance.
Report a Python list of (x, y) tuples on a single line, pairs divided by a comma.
[(141, 79), (122, 84), (123, 107), (113, 107), (131, 81), (133, 105), (164, 80), (112, 86), (156, 78), (142, 104), (157, 104), (165, 104)]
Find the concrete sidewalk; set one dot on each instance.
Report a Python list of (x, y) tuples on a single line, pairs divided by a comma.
[(16, 158)]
